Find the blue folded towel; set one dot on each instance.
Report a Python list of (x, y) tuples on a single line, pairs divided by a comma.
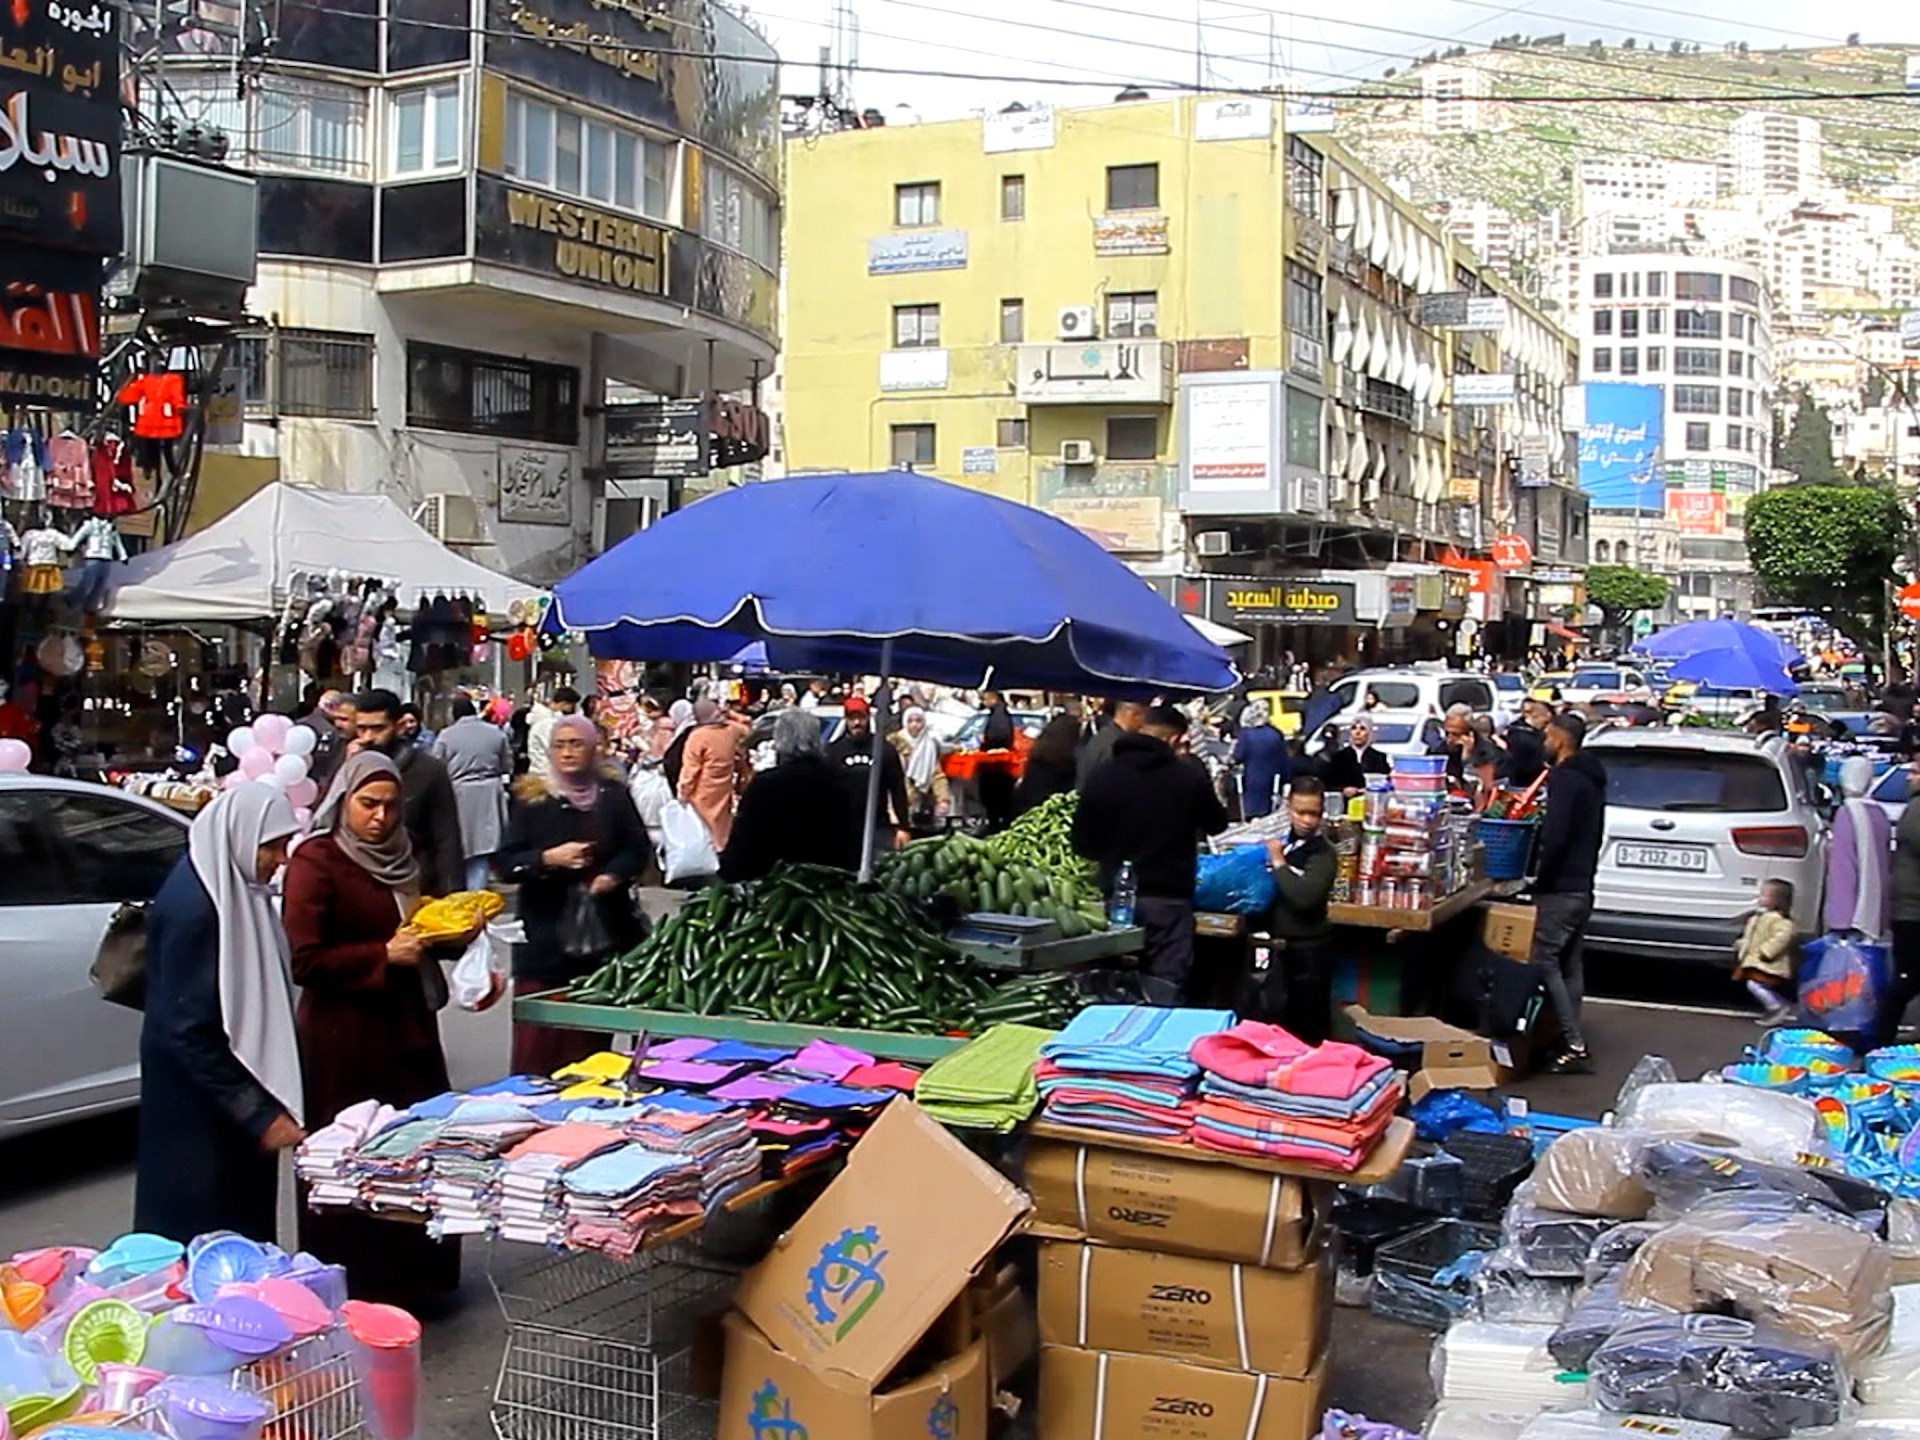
[(1138, 1039)]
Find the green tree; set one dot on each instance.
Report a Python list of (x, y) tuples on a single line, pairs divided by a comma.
[(1807, 449), (1621, 590), (1831, 548)]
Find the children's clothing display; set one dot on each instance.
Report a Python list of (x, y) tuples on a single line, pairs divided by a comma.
[(100, 546), (111, 466), (42, 552), (69, 472), (160, 405), (9, 543), (26, 460)]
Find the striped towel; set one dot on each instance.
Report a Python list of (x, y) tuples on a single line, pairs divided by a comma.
[(1135, 1040), (987, 1084)]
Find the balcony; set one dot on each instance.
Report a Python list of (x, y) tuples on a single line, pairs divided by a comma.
[(1095, 372)]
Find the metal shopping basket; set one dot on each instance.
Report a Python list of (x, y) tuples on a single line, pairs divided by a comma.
[(310, 1384), (599, 1348)]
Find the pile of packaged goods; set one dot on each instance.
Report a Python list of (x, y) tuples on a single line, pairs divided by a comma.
[(1413, 846), (213, 1340), (1709, 1261)]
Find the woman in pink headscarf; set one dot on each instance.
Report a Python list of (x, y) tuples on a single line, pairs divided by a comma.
[(574, 845)]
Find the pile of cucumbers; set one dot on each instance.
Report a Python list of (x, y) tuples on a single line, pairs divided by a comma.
[(979, 875), (1044, 837), (810, 945)]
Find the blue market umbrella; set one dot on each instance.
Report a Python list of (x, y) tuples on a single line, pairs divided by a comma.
[(891, 573), (1703, 636), (1747, 663)]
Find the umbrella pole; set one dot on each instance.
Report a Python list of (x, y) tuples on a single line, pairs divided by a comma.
[(882, 717)]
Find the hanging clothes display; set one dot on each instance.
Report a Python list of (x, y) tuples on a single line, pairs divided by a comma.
[(159, 404), (69, 472), (26, 473), (442, 637), (100, 546), (112, 465), (42, 552), (9, 542)]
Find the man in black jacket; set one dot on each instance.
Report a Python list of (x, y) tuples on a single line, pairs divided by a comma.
[(852, 757), (1570, 840), (1151, 804), (1526, 743), (1303, 866), (432, 811)]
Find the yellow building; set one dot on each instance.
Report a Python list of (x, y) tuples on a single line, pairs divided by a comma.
[(1170, 323)]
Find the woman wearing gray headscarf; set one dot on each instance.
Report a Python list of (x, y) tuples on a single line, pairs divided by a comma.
[(1265, 766), (798, 811), (680, 719), (366, 1018)]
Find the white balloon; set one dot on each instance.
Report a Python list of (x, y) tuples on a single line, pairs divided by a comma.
[(291, 769), (240, 740), (300, 741)]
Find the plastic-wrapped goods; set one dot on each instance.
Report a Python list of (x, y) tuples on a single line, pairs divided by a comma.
[(1503, 1291), (1428, 1179), (1682, 1174), (1811, 1274), (1732, 1117), (1876, 1422), (1604, 1425), (1550, 1243), (1613, 1248), (1476, 1420), (1597, 1312), (1593, 1171), (1480, 1360), (1426, 1277), (1763, 1381), (1892, 1377)]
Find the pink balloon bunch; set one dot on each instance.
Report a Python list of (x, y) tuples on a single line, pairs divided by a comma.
[(15, 756), (275, 751)]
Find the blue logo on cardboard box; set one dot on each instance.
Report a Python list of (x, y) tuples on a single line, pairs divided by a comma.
[(943, 1420), (845, 1283), (771, 1417)]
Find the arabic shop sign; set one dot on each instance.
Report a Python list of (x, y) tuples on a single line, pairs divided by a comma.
[(536, 486), (684, 439), (60, 125), (49, 326), (1233, 600), (530, 231), (917, 250), (606, 52)]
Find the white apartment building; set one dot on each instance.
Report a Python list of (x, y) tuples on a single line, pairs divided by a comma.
[(1628, 190), (1880, 437), (1455, 99), (1776, 154), (1494, 234)]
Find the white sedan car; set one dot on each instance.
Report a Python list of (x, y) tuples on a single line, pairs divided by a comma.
[(1589, 683), (70, 854)]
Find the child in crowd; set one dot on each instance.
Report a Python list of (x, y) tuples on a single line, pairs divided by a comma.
[(1765, 953)]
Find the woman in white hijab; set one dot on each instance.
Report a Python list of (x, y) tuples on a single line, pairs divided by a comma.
[(1859, 856), (928, 793), (220, 1066)]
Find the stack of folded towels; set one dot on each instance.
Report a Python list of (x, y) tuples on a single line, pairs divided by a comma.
[(328, 1159), (1126, 1069), (531, 1185), (987, 1084), (1267, 1092), (465, 1160), (707, 1133), (612, 1200)]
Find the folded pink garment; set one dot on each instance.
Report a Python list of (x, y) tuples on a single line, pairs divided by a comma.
[(1254, 1053), (1359, 1132), (572, 1141), (1180, 1114), (1344, 1161), (1049, 1076)]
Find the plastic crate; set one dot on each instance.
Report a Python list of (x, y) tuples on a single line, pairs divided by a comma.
[(1506, 847), (1419, 765), (1495, 1166), (1412, 1279), (1429, 1180), (1362, 1226)]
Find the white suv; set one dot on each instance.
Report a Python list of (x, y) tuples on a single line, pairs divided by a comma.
[(1406, 701), (1696, 820)]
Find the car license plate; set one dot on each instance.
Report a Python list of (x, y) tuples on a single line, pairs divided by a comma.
[(1660, 857)]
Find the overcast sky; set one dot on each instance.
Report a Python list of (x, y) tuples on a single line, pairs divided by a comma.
[(1312, 42)]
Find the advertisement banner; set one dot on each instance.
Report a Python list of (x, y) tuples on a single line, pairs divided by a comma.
[(1698, 512), (1130, 234), (1620, 446), (60, 125), (659, 439), (917, 250), (1230, 437), (1124, 524)]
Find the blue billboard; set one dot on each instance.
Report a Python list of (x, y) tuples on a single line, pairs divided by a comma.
[(1620, 447)]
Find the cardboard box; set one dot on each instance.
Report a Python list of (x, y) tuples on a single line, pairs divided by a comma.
[(881, 1255), (1208, 1312), (1507, 929), (1185, 1207), (767, 1392), (1005, 1321), (1094, 1395), (1450, 1058)]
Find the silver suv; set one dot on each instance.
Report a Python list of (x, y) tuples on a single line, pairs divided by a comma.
[(1696, 819)]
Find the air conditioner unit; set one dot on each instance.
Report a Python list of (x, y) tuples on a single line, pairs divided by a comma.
[(1213, 544), (1076, 322), (1076, 452), (452, 520)]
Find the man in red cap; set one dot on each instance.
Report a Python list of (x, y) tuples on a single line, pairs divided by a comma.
[(852, 756)]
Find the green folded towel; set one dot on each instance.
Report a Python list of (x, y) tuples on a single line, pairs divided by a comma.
[(987, 1084)]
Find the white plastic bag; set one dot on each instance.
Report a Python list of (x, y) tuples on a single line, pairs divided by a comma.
[(479, 976), (651, 794), (687, 851)]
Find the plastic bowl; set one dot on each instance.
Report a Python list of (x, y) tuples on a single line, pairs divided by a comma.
[(109, 1331), (31, 1412), (303, 1312), (131, 1255), (1767, 1075), (226, 1261), (243, 1327), (176, 1348), (327, 1282), (208, 1410)]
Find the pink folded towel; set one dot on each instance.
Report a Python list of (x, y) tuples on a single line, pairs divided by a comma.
[(1254, 1053)]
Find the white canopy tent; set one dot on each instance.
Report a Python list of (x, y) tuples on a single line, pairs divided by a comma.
[(239, 569), (1222, 635)]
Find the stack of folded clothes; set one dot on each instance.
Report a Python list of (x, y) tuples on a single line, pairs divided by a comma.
[(614, 1199), (710, 1134), (394, 1165), (464, 1164), (1126, 1069), (327, 1160), (1266, 1092), (987, 1084), (530, 1179)]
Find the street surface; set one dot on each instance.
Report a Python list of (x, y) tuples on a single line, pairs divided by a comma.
[(76, 1186)]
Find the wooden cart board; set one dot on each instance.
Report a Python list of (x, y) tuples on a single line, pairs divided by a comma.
[(1219, 924), (553, 1008), (1379, 917), (1384, 1160), (1053, 954)]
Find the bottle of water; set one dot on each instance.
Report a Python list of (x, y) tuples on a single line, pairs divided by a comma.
[(1120, 904)]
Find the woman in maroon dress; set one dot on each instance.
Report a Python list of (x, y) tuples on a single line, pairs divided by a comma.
[(366, 1018)]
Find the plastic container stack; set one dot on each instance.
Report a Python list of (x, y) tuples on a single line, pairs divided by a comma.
[(1412, 850)]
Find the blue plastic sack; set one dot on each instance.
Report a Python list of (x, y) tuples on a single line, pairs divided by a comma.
[(1236, 883), (1440, 1113), (1842, 982)]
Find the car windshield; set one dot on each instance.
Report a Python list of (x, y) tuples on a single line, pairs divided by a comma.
[(1509, 682), (1030, 722), (1892, 787), (1824, 701), (1699, 780), (1595, 680)]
